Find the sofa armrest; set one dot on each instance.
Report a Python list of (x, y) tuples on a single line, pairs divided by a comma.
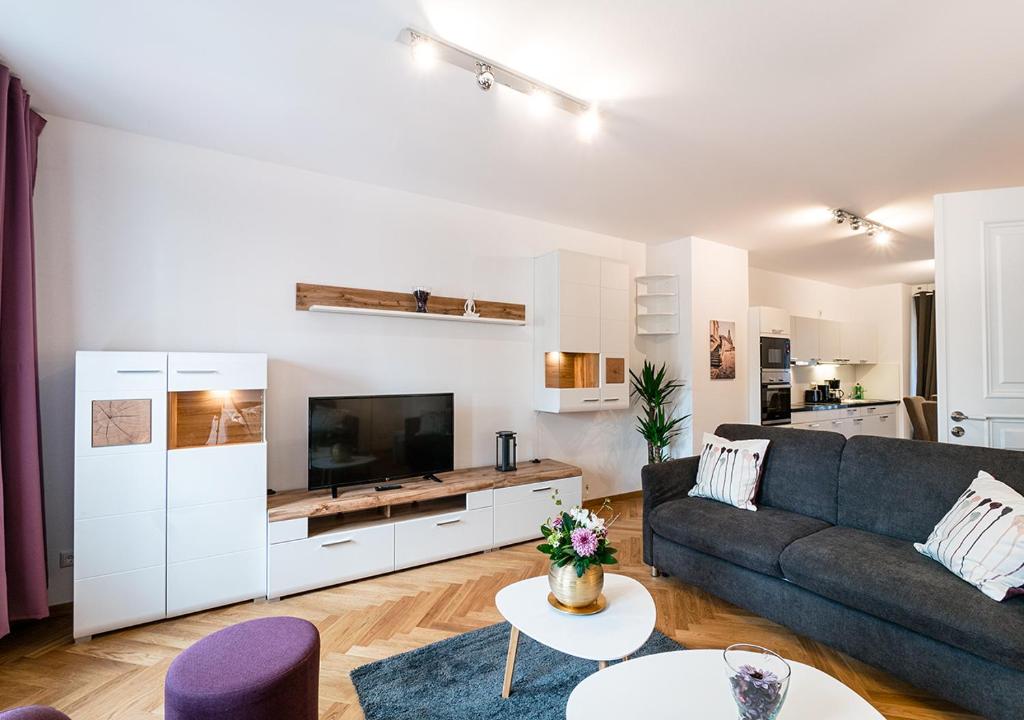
[(663, 482)]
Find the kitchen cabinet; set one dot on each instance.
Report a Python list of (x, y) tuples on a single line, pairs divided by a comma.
[(876, 420), (832, 341), (858, 343), (804, 343), (773, 321)]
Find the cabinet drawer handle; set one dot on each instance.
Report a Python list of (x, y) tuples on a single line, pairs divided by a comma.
[(197, 372), (138, 372), (591, 399), (858, 420), (837, 422), (611, 399), (449, 522), (543, 489), (336, 542), (814, 425)]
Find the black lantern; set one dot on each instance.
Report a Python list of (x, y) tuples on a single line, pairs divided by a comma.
[(505, 451)]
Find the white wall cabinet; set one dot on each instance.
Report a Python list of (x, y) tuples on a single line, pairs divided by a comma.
[(774, 321), (170, 485), (832, 341), (581, 333)]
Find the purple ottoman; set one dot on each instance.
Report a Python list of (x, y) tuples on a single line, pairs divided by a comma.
[(266, 669), (33, 712)]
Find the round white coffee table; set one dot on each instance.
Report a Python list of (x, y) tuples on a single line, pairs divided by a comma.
[(693, 685), (614, 633)]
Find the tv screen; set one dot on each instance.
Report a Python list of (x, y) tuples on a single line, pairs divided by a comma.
[(369, 439)]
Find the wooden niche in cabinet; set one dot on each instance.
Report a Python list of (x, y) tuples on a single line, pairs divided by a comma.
[(198, 418), (565, 370)]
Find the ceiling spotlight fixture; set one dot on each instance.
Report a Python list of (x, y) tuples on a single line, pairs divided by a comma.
[(876, 231), (427, 49), (424, 52), (484, 76)]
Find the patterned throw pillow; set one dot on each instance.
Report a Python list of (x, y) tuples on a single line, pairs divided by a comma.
[(981, 540), (730, 471)]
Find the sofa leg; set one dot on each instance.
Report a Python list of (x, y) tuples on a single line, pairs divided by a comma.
[(654, 571)]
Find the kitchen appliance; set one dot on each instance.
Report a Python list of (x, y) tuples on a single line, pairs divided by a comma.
[(814, 395), (505, 451), (834, 390), (775, 397), (775, 354), (378, 438)]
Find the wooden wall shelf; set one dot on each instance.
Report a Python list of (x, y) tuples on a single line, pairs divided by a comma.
[(356, 301), (295, 504)]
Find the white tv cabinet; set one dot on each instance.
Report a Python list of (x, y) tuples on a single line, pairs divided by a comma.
[(170, 485), (316, 540)]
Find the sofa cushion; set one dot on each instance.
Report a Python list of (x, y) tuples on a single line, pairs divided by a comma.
[(753, 540), (889, 579), (730, 470), (903, 488), (801, 469)]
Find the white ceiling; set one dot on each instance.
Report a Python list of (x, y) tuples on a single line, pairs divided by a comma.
[(740, 121)]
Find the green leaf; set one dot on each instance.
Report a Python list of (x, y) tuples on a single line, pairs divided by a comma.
[(546, 548)]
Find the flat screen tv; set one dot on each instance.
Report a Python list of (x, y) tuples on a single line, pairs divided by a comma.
[(379, 438)]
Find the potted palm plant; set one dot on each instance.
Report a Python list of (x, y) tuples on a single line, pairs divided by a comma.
[(655, 390)]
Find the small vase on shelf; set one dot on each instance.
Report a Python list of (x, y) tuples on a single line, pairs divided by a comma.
[(422, 294)]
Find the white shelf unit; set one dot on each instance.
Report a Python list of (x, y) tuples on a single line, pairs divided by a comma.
[(166, 522), (580, 333), (657, 304), (413, 315)]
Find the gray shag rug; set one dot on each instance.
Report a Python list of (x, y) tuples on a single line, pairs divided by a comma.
[(460, 679)]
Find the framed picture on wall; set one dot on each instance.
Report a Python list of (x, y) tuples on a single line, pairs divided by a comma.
[(722, 338)]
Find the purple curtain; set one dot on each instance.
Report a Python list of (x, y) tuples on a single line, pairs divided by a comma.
[(22, 537)]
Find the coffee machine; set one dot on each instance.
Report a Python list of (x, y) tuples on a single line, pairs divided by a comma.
[(835, 392)]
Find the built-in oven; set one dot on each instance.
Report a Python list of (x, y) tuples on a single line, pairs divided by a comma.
[(775, 397), (774, 353)]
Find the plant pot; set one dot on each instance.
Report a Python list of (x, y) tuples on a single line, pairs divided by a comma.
[(574, 591)]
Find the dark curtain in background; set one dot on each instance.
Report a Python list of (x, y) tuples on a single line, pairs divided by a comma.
[(22, 537), (924, 304)]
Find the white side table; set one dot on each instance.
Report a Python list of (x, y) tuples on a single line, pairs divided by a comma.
[(616, 632), (694, 685)]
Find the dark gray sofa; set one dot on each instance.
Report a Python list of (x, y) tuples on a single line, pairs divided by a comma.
[(830, 554)]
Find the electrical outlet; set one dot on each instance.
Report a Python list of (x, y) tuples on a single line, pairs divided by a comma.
[(67, 559)]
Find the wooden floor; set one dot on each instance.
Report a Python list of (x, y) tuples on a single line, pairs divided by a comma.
[(120, 675)]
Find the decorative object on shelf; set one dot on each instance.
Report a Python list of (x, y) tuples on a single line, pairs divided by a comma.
[(470, 308), (723, 349), (359, 301), (577, 543), (422, 294), (505, 451), (121, 422), (759, 679), (655, 393)]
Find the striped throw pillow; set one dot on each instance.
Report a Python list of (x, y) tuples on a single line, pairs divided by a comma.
[(730, 471), (981, 540)]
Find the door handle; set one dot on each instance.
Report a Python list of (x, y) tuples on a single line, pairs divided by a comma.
[(336, 542), (957, 416), (449, 522)]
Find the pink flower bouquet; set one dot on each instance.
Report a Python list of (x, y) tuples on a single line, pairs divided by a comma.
[(578, 536)]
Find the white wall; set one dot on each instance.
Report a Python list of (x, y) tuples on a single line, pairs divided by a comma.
[(148, 245), (807, 298), (713, 285)]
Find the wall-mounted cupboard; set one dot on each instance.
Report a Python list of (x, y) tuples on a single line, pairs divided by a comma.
[(581, 333), (831, 341)]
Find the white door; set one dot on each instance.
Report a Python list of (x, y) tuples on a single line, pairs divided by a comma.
[(979, 255)]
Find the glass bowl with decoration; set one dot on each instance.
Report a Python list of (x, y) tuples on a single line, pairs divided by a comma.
[(576, 540), (759, 680)]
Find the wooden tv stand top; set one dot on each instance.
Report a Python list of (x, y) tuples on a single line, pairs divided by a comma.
[(295, 504)]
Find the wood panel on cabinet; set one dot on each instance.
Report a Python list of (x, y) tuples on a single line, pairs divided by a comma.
[(307, 295)]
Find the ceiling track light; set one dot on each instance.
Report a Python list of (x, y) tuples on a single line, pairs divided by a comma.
[(880, 233), (427, 48)]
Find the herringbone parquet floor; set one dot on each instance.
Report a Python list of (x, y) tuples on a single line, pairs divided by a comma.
[(120, 675)]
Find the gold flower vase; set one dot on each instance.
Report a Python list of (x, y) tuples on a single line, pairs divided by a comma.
[(576, 592)]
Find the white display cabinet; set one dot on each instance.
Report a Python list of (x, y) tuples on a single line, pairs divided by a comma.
[(581, 333), (170, 485)]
